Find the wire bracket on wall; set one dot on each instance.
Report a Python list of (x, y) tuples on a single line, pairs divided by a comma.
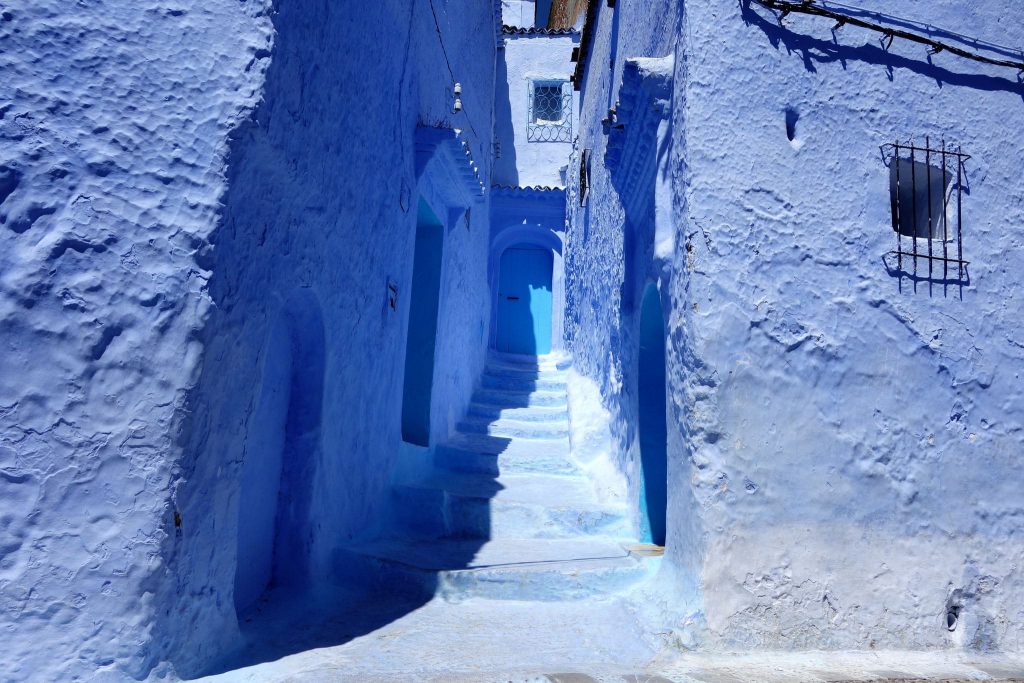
[(816, 8)]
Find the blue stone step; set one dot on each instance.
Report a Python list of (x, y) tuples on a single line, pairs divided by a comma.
[(551, 361), (520, 399), (536, 414), (505, 569), (497, 455), (506, 382), (515, 429), (524, 372), (515, 506)]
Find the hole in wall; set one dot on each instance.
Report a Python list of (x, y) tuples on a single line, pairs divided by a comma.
[(952, 617), (792, 116)]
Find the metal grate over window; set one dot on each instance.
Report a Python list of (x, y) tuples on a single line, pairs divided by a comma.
[(550, 115), (926, 191)]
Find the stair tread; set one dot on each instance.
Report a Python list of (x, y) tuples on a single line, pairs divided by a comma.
[(513, 555), (548, 490), (487, 444), (521, 413), (513, 422)]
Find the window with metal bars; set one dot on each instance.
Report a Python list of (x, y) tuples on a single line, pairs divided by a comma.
[(926, 192), (550, 116)]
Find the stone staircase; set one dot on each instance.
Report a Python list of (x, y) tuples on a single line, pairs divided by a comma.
[(504, 513)]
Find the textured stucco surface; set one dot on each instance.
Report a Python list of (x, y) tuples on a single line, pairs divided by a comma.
[(847, 464), (322, 205), (176, 179), (114, 129)]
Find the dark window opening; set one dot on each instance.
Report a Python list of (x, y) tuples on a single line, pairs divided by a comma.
[(550, 117), (547, 104), (926, 187)]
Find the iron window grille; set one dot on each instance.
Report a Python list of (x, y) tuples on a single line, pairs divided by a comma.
[(550, 114), (926, 191)]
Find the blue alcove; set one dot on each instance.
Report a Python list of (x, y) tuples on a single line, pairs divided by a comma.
[(652, 419), (282, 445), (422, 336)]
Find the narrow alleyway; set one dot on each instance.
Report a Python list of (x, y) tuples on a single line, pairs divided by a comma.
[(506, 513), (504, 530)]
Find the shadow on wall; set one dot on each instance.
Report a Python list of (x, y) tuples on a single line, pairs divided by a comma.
[(505, 170), (817, 51), (249, 574)]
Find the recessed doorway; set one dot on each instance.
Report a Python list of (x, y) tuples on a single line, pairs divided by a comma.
[(524, 301), (424, 302), (652, 421)]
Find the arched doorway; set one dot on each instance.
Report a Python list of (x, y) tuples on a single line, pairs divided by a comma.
[(653, 430), (282, 445), (524, 300)]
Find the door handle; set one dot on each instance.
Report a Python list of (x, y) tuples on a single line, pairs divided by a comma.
[(512, 298)]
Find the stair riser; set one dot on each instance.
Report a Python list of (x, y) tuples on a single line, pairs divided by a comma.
[(516, 361), (521, 383), (459, 460), (440, 514), (554, 585), (521, 431), (539, 415), (504, 370), (375, 575), (495, 583), (505, 399)]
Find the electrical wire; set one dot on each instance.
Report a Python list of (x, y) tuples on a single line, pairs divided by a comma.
[(440, 39), (809, 7)]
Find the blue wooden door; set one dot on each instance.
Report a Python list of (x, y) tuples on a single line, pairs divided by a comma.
[(524, 301)]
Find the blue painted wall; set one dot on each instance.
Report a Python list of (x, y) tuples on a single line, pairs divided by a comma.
[(320, 203), (840, 438), (198, 238)]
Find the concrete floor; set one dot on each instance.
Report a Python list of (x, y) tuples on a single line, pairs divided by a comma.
[(334, 637)]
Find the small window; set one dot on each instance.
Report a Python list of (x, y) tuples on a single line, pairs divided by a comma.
[(550, 118), (547, 104), (926, 188), (920, 198)]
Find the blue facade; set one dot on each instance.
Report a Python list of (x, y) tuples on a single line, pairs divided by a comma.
[(824, 403), (328, 325)]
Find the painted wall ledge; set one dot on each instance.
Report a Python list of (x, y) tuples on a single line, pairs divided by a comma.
[(445, 156), (534, 31), (644, 101)]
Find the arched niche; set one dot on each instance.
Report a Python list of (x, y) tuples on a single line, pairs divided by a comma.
[(281, 452)]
